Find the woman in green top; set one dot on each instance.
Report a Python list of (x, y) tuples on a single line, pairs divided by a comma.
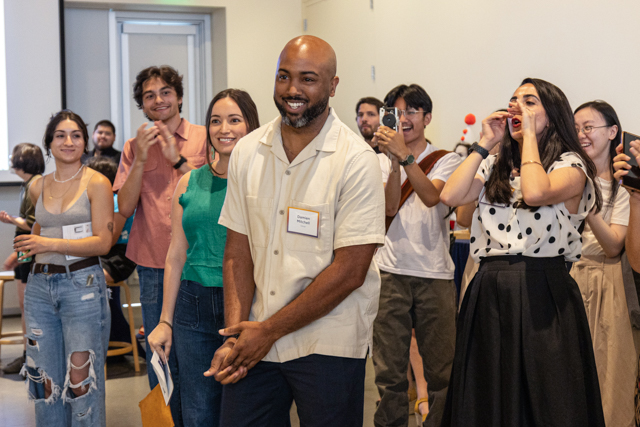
[(193, 306)]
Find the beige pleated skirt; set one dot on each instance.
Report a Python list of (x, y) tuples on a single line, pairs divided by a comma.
[(600, 282)]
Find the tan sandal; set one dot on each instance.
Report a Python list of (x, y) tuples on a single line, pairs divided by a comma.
[(419, 416)]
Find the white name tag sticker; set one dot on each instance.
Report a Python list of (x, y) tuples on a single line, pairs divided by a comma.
[(302, 221)]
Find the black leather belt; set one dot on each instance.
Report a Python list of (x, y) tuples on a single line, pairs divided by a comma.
[(55, 268)]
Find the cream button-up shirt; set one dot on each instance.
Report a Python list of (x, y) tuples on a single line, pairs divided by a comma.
[(336, 175)]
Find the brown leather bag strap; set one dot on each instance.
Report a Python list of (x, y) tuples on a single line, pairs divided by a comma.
[(407, 189)]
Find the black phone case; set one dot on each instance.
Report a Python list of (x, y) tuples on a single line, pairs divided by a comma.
[(632, 179)]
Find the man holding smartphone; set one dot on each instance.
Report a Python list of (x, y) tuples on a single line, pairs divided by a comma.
[(415, 266)]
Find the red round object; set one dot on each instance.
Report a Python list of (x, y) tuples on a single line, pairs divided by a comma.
[(465, 131), (470, 119), (462, 138)]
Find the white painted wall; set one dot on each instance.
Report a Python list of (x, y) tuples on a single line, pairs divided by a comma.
[(253, 33), (33, 94), (470, 55)]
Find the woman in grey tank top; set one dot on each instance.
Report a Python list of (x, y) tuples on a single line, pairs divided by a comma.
[(66, 310)]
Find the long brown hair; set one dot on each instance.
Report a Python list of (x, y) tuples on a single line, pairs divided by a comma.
[(558, 138), (247, 108)]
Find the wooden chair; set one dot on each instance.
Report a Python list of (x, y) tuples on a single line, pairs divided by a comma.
[(117, 348), (7, 276)]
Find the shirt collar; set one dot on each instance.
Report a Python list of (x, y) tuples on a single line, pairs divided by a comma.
[(326, 140), (183, 129)]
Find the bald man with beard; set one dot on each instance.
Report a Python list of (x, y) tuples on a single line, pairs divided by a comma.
[(304, 212)]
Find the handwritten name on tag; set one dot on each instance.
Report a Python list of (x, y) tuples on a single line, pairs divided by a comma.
[(302, 221)]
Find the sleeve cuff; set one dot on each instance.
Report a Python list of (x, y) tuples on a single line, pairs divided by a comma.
[(360, 240), (234, 226)]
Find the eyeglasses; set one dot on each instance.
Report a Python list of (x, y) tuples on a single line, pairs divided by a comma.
[(409, 113), (587, 129)]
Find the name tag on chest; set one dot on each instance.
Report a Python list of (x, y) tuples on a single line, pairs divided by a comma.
[(302, 221)]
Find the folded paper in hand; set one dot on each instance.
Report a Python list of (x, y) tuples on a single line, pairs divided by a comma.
[(161, 368)]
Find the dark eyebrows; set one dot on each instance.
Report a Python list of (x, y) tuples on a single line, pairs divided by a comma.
[(161, 89), (230, 115), (515, 98)]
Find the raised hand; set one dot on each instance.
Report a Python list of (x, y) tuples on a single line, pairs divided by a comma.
[(145, 138), (6, 218), (493, 128), (390, 141), (168, 144), (528, 117)]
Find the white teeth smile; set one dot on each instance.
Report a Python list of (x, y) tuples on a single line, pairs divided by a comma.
[(408, 128), (225, 139), (586, 145), (295, 105)]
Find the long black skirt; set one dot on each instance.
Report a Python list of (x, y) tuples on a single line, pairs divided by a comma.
[(523, 350)]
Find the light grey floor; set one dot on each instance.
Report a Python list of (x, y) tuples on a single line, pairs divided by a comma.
[(124, 388)]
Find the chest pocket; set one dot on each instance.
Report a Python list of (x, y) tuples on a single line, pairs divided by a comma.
[(303, 243), (149, 175), (259, 211)]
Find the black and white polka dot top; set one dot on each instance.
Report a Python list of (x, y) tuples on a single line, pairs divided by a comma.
[(547, 231)]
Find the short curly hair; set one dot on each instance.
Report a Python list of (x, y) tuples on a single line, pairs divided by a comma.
[(165, 72)]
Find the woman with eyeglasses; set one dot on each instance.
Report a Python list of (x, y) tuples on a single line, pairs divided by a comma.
[(65, 302), (599, 271), (523, 348)]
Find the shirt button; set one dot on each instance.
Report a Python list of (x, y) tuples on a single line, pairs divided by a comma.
[(281, 212), (272, 293), (168, 198), (276, 252), (169, 182), (287, 173)]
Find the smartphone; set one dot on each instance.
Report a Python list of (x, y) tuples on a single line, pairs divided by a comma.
[(389, 117), (632, 179)]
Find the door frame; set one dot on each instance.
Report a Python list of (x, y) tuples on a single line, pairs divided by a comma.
[(197, 27)]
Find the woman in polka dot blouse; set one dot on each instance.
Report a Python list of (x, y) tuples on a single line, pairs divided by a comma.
[(523, 350)]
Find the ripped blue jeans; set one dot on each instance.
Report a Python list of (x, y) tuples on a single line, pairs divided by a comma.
[(68, 319)]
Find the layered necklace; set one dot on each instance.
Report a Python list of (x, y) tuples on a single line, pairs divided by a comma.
[(67, 180), (51, 196)]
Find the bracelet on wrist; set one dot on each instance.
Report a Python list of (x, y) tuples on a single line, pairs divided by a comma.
[(166, 323), (530, 162)]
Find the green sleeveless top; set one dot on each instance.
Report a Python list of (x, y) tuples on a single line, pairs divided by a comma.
[(201, 204)]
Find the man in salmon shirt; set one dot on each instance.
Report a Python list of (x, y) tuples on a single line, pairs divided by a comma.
[(150, 168)]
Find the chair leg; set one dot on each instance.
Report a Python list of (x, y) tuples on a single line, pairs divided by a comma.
[(134, 342), (1, 307)]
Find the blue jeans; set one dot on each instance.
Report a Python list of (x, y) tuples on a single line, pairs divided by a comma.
[(328, 391), (198, 316), (64, 315), (151, 280)]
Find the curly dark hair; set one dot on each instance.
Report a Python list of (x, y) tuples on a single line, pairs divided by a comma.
[(560, 137), (55, 121), (165, 72)]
